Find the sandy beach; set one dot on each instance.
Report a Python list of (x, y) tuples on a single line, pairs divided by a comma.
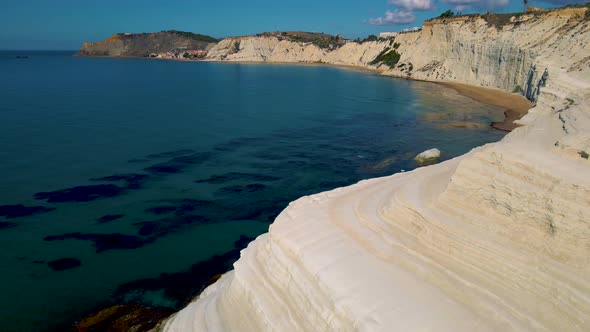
[(516, 105)]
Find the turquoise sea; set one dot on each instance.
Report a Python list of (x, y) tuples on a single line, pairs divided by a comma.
[(137, 180)]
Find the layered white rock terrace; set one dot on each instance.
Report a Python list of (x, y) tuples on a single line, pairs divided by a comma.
[(495, 240)]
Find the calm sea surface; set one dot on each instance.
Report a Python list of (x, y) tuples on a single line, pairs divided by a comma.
[(137, 181)]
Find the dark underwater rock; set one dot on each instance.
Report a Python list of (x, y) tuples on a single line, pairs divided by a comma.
[(164, 168), (123, 177), (133, 181), (162, 227), (138, 160), (64, 264), (19, 210), (169, 154), (179, 163), (5, 224), (181, 287), (238, 189), (243, 241), (81, 193), (109, 217), (124, 318), (192, 159), (91, 192), (161, 209), (266, 210), (237, 143), (237, 176), (179, 207), (104, 242)]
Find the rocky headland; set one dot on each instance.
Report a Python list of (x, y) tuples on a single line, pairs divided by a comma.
[(147, 44), (495, 240)]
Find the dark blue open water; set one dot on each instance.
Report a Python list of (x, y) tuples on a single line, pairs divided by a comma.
[(129, 168)]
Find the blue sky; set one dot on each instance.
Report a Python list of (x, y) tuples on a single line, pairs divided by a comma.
[(65, 24)]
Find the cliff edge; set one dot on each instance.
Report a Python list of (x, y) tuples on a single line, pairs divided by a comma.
[(495, 240), (144, 44)]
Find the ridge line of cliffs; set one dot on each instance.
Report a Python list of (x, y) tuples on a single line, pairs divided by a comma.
[(495, 240), (414, 54)]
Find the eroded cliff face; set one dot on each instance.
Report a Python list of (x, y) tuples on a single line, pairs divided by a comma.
[(272, 49), (495, 240), (474, 50), (144, 44)]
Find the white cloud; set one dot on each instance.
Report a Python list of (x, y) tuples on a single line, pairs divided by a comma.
[(393, 17), (461, 2), (481, 4), (461, 5), (565, 2), (410, 5), (404, 13), (492, 4)]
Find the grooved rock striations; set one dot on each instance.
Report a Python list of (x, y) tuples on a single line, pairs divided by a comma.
[(495, 240)]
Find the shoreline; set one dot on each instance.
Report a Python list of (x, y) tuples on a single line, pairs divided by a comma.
[(513, 103), (457, 237), (516, 105), (311, 64)]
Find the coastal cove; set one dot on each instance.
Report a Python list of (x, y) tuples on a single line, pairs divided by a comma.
[(494, 240), (154, 174), (423, 170), (515, 105)]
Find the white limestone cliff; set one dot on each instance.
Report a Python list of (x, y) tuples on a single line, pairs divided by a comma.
[(271, 49), (495, 240)]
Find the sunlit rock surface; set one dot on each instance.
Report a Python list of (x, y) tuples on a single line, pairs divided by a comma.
[(428, 157)]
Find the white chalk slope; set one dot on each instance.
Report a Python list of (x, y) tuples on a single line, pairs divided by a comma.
[(495, 240)]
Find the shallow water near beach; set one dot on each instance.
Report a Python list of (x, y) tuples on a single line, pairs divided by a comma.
[(137, 181)]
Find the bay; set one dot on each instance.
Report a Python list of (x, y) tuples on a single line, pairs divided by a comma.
[(114, 172)]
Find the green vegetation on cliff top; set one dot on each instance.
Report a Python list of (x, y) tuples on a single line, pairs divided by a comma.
[(321, 40), (185, 34), (501, 19), (195, 36)]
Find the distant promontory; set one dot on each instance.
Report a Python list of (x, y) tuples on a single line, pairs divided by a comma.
[(147, 44)]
